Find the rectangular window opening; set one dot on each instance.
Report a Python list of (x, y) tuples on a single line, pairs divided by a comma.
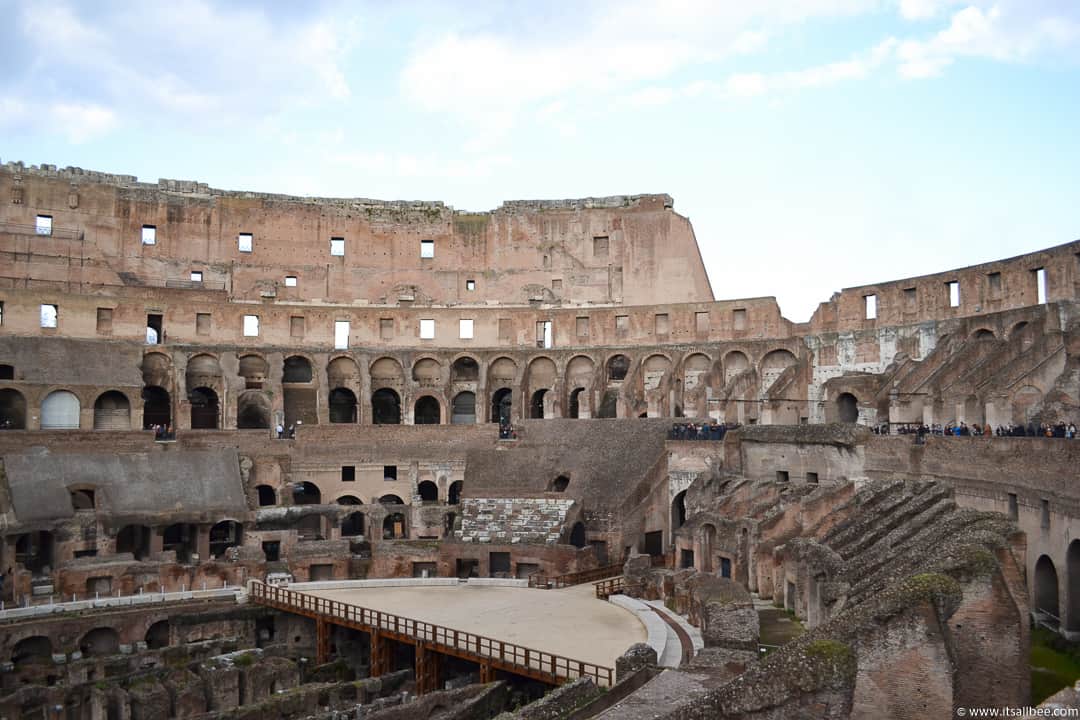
[(622, 325), (50, 314), (196, 276), (244, 242), (337, 246), (1014, 507), (465, 329), (910, 299), (149, 235), (427, 329), (600, 246), (556, 285), (427, 248), (470, 285), (341, 334), (870, 307), (781, 476), (155, 329), (389, 473), (104, 320), (506, 330), (1040, 285), (993, 283), (583, 327), (701, 323), (290, 281), (738, 318), (43, 225), (386, 328), (251, 326), (348, 473), (662, 324), (812, 478), (543, 334), (202, 323), (954, 293)]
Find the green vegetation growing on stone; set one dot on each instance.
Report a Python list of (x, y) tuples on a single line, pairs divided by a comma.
[(1055, 664)]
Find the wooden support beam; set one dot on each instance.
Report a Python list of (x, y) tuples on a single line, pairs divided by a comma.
[(487, 673), (380, 654), (428, 669), (322, 641)]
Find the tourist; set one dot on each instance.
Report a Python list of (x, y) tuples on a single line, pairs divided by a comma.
[(280, 430)]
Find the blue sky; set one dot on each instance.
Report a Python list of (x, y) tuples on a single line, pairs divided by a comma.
[(815, 144)]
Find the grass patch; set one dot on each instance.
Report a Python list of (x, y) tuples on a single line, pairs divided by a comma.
[(1054, 664)]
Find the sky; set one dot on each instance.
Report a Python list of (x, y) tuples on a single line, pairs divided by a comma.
[(814, 144)]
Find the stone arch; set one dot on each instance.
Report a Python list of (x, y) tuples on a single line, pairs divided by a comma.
[(1022, 332), (983, 334), (35, 550), (1046, 587), (773, 365), (465, 369), (266, 495), (427, 410), (428, 492), (255, 370), (343, 371), (695, 371), (847, 408), (386, 371), (205, 410), (542, 373), (12, 410), (394, 527), (616, 367), (580, 371), (502, 372), (99, 642), (463, 409), (391, 499), (735, 363), (253, 410), (296, 369), (502, 401), (385, 407), (655, 369), (224, 535), (343, 405), (112, 411), (60, 410), (134, 539), (36, 649), (453, 495), (352, 524), (1072, 569), (536, 404), (559, 484), (573, 405), (427, 371), (306, 493), (577, 535), (157, 369), (203, 370), (157, 635), (348, 500), (157, 407), (678, 511)]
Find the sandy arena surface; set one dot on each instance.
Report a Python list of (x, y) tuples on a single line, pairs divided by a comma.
[(569, 622)]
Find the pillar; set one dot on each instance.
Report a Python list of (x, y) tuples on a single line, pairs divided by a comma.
[(322, 641), (428, 669), (202, 542), (380, 655)]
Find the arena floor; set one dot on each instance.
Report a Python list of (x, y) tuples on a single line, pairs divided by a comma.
[(569, 622)]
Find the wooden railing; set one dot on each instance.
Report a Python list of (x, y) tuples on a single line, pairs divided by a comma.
[(540, 580), (612, 586), (498, 654)]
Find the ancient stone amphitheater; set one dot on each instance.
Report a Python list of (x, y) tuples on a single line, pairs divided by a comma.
[(283, 457)]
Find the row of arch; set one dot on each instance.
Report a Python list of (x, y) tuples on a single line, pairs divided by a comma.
[(62, 409), (1047, 589), (97, 642), (308, 493)]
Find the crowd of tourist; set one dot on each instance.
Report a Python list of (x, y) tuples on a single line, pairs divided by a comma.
[(700, 431), (163, 432), (1051, 430), (507, 431)]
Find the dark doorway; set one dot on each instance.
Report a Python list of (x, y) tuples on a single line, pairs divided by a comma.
[(577, 535), (453, 497), (267, 496), (536, 408), (678, 511), (847, 408), (385, 407), (157, 407), (686, 558), (306, 493), (574, 410), (467, 568), (725, 567), (501, 405), (463, 410), (654, 543), (426, 411), (342, 406), (204, 409), (429, 492), (1046, 588), (353, 524), (12, 410)]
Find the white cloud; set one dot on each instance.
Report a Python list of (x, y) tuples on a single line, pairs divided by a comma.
[(924, 9), (81, 122)]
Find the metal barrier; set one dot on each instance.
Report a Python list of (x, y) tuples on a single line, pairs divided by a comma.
[(489, 652), (540, 580)]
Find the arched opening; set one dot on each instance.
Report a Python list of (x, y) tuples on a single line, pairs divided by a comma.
[(157, 635), (306, 493), (983, 334), (609, 405), (426, 411), (463, 411), (60, 411), (574, 410), (254, 369), (134, 539), (342, 406), (349, 500), (577, 535), (1046, 587), (453, 495), (501, 405), (427, 371), (464, 369), (36, 650), (428, 491), (617, 367), (1026, 402), (448, 524), (773, 366), (735, 364), (678, 511), (385, 407), (224, 535), (394, 527), (204, 409), (99, 642), (559, 484), (12, 410), (82, 500), (1072, 567), (253, 410), (112, 411), (391, 500), (267, 496), (157, 407), (296, 370), (179, 538), (352, 524), (536, 408), (847, 408), (34, 551)]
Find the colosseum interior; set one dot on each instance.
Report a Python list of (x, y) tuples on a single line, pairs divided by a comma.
[(284, 457)]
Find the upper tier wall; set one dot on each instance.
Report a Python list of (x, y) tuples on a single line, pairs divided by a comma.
[(622, 249)]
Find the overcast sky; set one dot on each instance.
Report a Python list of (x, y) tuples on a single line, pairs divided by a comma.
[(814, 144)]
